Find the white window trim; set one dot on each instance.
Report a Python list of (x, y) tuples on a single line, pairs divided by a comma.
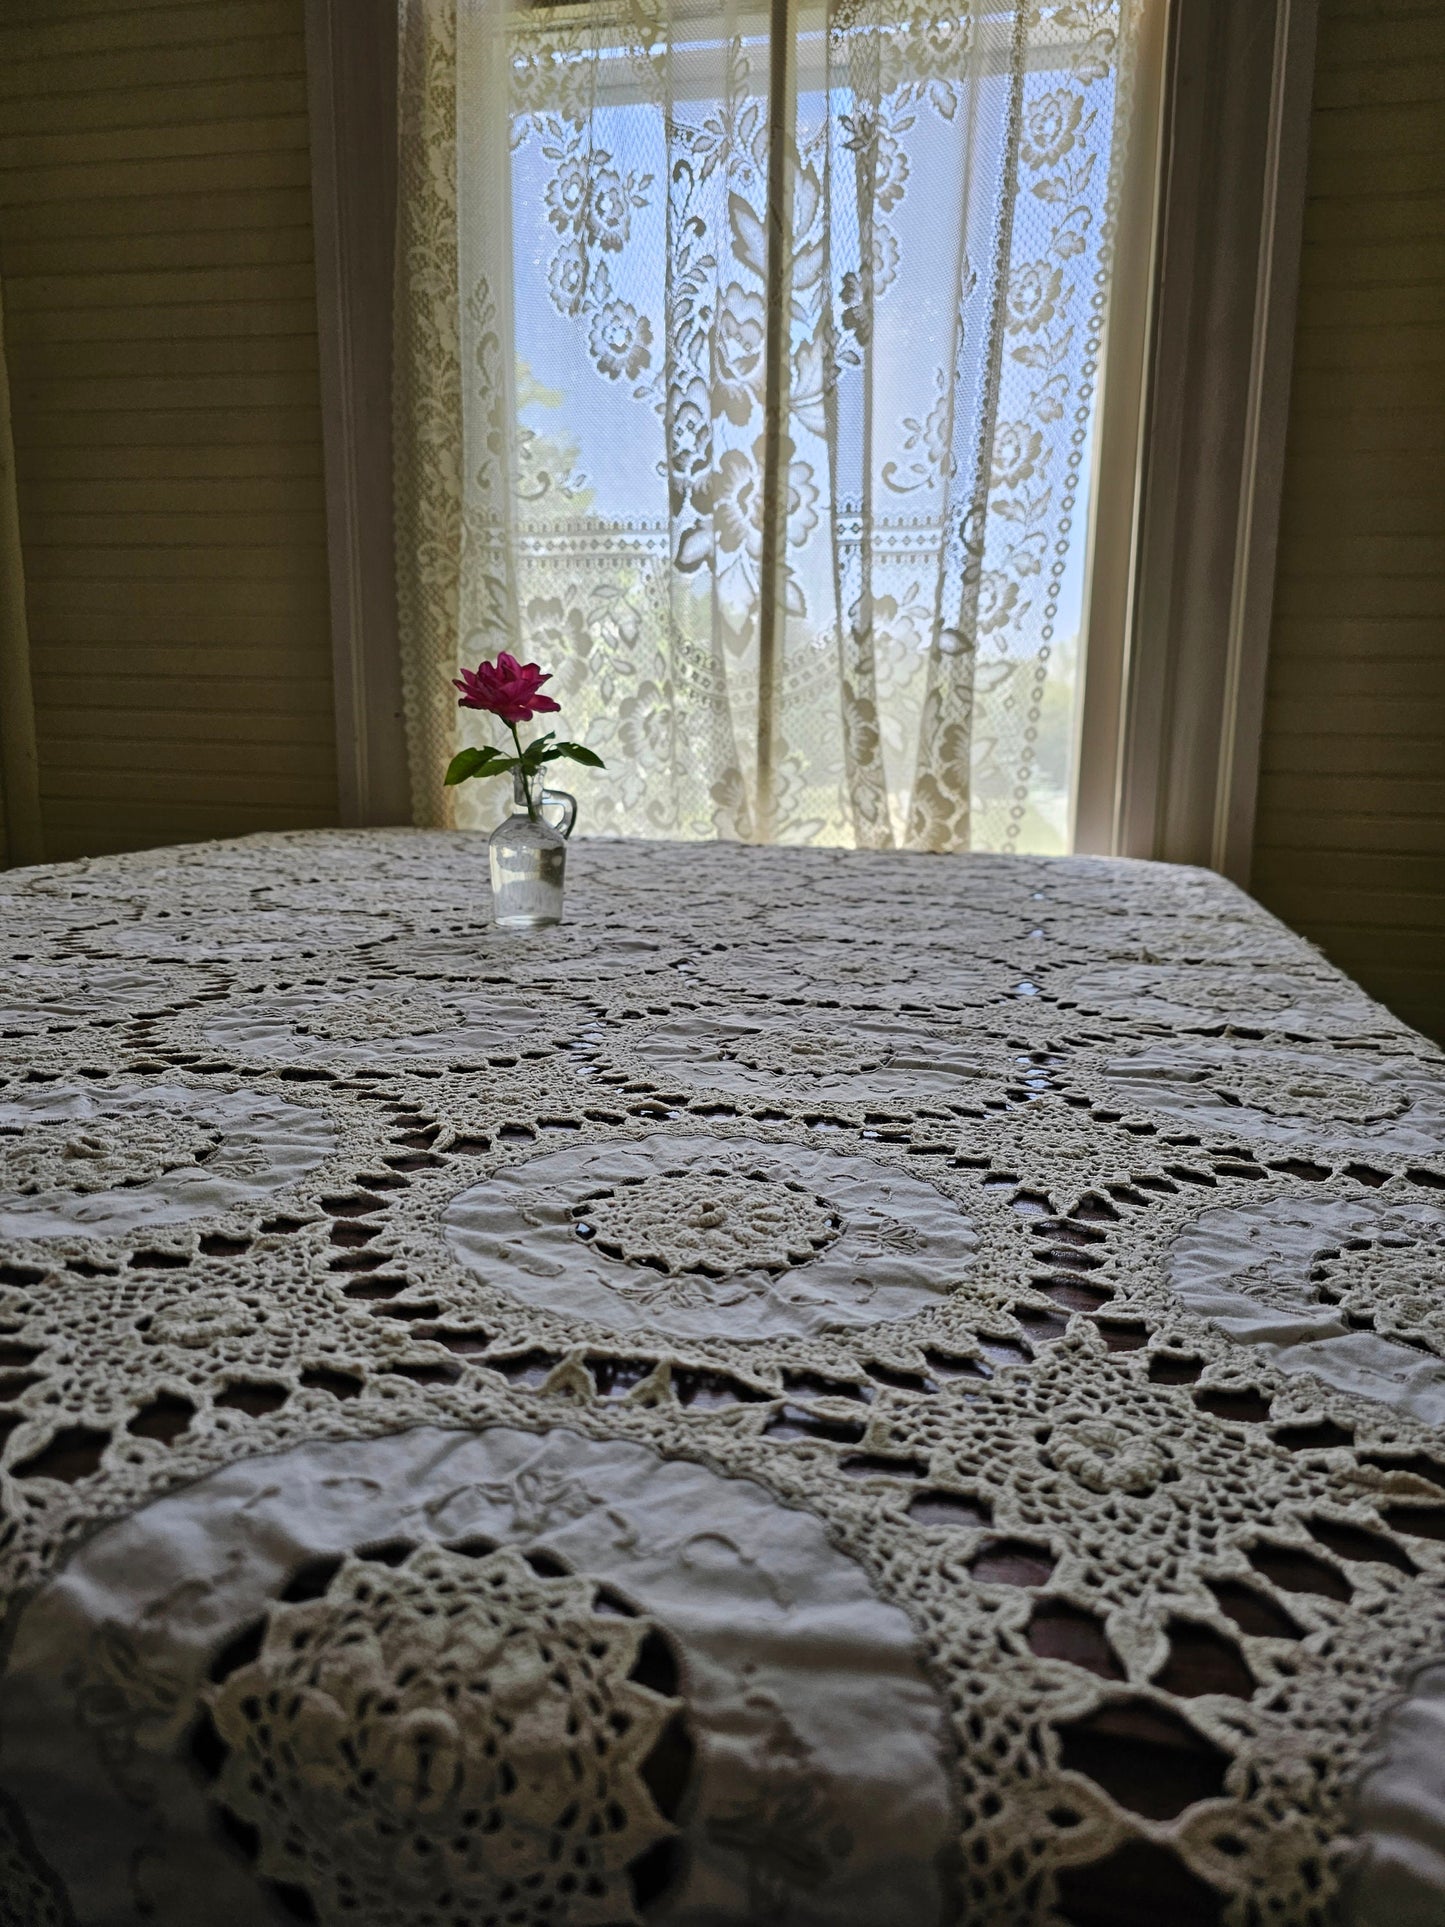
[(1191, 442)]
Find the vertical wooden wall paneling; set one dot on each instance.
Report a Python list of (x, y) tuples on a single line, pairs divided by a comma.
[(1350, 828), (156, 241)]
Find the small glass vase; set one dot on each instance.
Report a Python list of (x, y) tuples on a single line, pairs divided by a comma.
[(528, 855)]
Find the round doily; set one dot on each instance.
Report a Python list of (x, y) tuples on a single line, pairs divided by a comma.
[(707, 1222), (491, 1676), (1324, 1287), (855, 976), (39, 998), (219, 934), (786, 1238), (1164, 938), (452, 1735), (1288, 1096), (1168, 997), (58, 1154), (102, 1161), (866, 1064), (560, 959), (373, 1023)]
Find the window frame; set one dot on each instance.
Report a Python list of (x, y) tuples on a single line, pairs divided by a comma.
[(1192, 442), (351, 62), (1189, 448)]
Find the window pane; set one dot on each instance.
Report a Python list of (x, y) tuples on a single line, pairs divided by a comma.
[(946, 275)]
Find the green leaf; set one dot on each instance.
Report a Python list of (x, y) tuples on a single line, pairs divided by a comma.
[(578, 752), (536, 753), (477, 762)]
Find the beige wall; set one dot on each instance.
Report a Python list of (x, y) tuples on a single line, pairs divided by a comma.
[(156, 249), (1350, 838)]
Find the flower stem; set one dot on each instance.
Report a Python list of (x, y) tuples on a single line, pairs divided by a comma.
[(522, 771)]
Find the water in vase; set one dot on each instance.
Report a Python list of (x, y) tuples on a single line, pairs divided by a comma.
[(529, 863)]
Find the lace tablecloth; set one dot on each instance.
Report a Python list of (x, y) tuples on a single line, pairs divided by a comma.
[(833, 1389)]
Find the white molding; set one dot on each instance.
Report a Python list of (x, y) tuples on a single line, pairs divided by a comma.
[(351, 85), (1271, 365), (1184, 713), (1118, 446)]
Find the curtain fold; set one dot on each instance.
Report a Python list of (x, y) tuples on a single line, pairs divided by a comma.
[(746, 366)]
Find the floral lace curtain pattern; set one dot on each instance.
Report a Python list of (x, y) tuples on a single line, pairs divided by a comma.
[(746, 369)]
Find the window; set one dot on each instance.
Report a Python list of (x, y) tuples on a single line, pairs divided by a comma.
[(533, 487), (779, 338)]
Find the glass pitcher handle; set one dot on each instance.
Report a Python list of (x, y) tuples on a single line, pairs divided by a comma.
[(559, 799)]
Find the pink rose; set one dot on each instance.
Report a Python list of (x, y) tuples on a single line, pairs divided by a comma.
[(507, 688)]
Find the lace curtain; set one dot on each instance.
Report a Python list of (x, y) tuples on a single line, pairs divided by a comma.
[(746, 367)]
